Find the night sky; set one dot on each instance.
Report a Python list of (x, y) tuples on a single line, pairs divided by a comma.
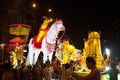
[(81, 17)]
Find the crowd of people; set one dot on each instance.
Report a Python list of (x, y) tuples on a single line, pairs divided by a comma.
[(40, 71), (51, 71)]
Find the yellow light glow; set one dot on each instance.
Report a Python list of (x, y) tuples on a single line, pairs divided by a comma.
[(43, 26), (49, 10), (51, 19), (70, 46), (42, 33), (34, 5)]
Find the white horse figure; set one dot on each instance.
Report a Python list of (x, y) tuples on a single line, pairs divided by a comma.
[(48, 44)]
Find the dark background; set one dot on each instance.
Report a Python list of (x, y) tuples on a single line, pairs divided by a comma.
[(80, 17)]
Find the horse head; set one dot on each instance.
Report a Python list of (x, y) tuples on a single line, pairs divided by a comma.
[(59, 25), (54, 31), (60, 28)]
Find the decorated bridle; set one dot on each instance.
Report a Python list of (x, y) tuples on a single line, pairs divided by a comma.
[(59, 23)]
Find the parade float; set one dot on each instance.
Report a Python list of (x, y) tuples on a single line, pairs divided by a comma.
[(92, 47), (66, 52), (44, 41), (19, 34)]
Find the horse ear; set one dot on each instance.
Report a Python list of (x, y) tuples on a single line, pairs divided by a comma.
[(59, 21)]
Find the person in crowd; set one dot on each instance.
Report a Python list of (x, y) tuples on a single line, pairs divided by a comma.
[(94, 73), (2, 69), (113, 72), (28, 73), (23, 71), (37, 70), (118, 66), (7, 75), (48, 71), (66, 72), (57, 70)]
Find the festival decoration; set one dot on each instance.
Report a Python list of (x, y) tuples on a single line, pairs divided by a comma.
[(92, 47), (19, 29), (66, 52), (17, 44), (45, 41), (16, 41)]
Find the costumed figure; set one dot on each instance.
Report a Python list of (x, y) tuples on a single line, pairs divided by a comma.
[(69, 51), (13, 57), (44, 42), (59, 51)]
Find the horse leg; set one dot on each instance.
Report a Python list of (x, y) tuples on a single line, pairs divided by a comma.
[(45, 57), (50, 57), (29, 60), (36, 55)]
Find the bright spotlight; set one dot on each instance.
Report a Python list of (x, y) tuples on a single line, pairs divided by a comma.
[(49, 10), (34, 5), (107, 50), (107, 68)]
